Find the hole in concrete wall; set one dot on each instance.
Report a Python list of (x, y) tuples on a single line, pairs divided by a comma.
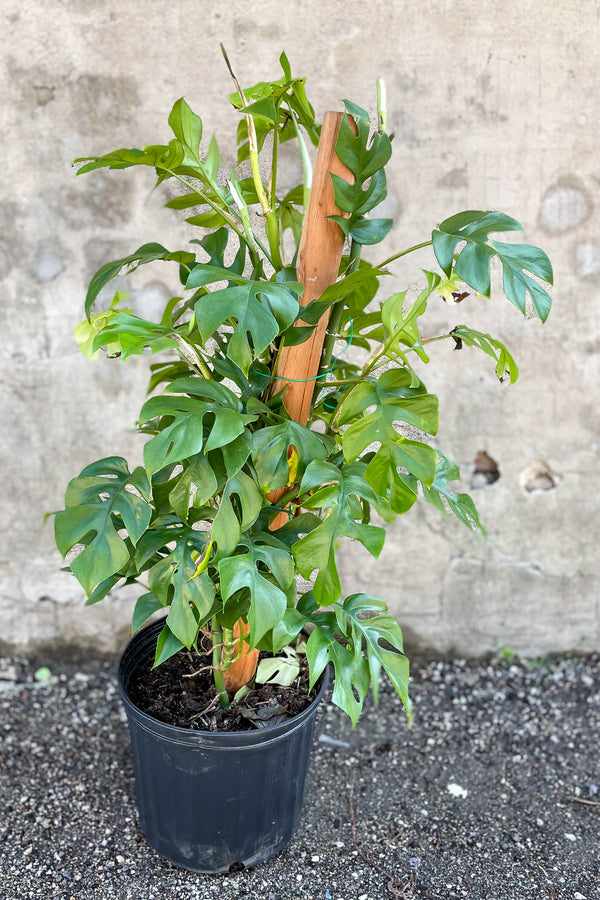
[(538, 477), (485, 470)]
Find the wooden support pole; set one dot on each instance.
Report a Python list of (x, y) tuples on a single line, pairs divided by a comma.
[(319, 256)]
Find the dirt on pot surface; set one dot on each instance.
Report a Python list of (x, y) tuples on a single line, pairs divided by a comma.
[(181, 692), (494, 794)]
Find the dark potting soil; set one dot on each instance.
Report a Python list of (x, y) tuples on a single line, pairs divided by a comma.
[(181, 692)]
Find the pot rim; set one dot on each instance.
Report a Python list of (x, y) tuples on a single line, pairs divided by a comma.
[(232, 740)]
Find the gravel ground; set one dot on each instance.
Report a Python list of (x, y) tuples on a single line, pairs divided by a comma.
[(493, 794)]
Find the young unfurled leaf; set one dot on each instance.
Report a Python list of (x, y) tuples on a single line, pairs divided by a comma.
[(85, 332), (400, 325), (159, 156), (133, 335), (187, 127)]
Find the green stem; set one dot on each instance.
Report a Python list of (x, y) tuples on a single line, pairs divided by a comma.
[(206, 199), (432, 340), (306, 163), (222, 694), (391, 259), (335, 317), (188, 352), (354, 259), (272, 225)]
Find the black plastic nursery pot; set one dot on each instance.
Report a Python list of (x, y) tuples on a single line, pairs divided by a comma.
[(211, 801)]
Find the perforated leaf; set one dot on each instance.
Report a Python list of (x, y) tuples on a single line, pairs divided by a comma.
[(334, 490), (266, 570), (101, 501), (270, 452), (260, 310), (472, 263), (440, 495)]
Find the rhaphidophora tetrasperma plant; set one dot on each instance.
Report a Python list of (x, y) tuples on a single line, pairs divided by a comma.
[(193, 525)]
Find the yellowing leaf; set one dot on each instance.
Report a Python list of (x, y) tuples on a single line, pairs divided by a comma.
[(292, 466)]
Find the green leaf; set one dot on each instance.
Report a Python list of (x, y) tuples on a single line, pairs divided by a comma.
[(198, 474), (175, 583), (85, 332), (400, 489), (334, 490), (351, 675), (266, 570), (505, 363), (98, 505), (517, 284), (370, 622), (228, 525), (160, 157), (209, 419), (185, 201), (133, 335), (261, 309), (400, 325), (102, 589), (187, 127), (440, 496), (366, 156), (270, 452), (352, 198), (356, 290), (370, 231), (145, 254), (395, 400), (145, 606), (202, 273), (472, 264), (167, 645)]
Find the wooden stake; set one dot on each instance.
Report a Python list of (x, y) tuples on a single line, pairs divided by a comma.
[(319, 256)]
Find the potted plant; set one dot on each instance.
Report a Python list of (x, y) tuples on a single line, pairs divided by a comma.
[(266, 443)]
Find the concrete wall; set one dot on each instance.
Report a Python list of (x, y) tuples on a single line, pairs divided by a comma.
[(493, 106)]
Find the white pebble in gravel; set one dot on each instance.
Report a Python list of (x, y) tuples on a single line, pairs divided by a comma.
[(456, 790)]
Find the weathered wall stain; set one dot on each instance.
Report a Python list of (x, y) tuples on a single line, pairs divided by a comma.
[(564, 206)]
